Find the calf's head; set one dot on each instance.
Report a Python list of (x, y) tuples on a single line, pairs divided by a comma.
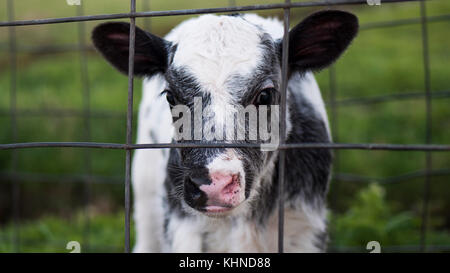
[(222, 75)]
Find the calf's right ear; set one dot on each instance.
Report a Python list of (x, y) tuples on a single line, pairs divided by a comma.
[(320, 39), (151, 51)]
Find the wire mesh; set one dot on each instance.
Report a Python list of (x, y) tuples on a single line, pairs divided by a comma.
[(86, 113)]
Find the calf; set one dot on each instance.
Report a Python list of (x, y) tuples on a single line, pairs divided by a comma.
[(225, 199)]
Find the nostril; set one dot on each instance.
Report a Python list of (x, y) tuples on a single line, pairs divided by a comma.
[(199, 181), (232, 184), (228, 188), (193, 195)]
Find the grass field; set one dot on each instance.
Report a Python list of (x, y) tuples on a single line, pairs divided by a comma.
[(380, 61)]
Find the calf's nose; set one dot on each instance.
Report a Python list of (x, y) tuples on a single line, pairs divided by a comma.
[(223, 191)]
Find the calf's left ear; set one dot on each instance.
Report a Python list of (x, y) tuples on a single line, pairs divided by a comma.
[(151, 51), (320, 39)]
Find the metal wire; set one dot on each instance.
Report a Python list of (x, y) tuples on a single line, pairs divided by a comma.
[(86, 113), (428, 124), (361, 101), (65, 113), (49, 49), (87, 124), (334, 126), (191, 12), (14, 132), (282, 153), (344, 177), (59, 178), (129, 127), (403, 22), (98, 179), (334, 146), (109, 114)]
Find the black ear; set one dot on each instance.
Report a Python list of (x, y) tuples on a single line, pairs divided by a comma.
[(151, 52), (320, 39)]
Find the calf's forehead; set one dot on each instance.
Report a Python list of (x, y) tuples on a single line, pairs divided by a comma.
[(214, 48)]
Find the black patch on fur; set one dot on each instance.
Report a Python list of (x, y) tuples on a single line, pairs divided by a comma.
[(320, 39), (151, 52), (185, 87), (306, 170), (166, 217), (321, 241), (174, 183)]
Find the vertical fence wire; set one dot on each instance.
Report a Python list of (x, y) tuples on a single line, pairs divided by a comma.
[(14, 131), (86, 98), (282, 153), (428, 125), (129, 126), (334, 125)]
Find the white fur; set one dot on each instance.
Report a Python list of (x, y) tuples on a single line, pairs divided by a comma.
[(211, 66), (310, 91), (149, 166), (213, 48), (240, 235)]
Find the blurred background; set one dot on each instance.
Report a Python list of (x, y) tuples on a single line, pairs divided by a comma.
[(55, 87)]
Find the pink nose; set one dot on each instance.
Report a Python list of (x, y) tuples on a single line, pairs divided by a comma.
[(224, 190)]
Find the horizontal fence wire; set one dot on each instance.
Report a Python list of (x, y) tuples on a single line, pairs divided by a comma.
[(48, 49), (345, 177), (110, 114), (332, 146), (128, 147), (192, 11), (69, 178)]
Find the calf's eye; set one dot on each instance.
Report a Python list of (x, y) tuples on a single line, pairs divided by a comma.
[(264, 97), (170, 98)]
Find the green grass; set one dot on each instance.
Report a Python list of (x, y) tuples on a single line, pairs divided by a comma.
[(379, 62), (51, 234), (370, 218)]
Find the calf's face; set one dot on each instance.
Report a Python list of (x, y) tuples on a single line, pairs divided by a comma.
[(222, 82)]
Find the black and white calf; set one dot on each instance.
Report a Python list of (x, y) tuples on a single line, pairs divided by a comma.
[(224, 200)]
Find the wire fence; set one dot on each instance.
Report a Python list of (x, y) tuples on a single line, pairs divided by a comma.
[(86, 113)]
